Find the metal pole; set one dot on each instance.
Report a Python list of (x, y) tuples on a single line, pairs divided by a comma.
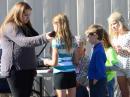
[(128, 17), (7, 6), (77, 17), (94, 12)]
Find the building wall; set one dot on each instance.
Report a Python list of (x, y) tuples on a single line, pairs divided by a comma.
[(81, 13)]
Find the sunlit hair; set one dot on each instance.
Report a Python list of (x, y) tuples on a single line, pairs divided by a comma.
[(63, 32), (15, 14), (95, 28), (80, 40), (106, 40), (117, 17)]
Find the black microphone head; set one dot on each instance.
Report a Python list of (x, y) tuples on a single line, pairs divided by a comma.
[(52, 34)]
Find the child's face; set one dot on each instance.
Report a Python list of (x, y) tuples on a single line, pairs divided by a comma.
[(80, 44), (55, 25), (81, 50), (115, 26), (92, 38)]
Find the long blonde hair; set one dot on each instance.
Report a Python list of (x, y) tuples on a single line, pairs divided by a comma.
[(15, 14), (117, 17), (64, 32)]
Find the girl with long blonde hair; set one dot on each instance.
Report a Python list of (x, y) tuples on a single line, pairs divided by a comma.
[(120, 38), (62, 49)]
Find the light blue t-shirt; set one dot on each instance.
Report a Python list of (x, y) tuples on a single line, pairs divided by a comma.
[(65, 63)]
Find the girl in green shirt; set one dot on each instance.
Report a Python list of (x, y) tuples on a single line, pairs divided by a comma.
[(110, 63)]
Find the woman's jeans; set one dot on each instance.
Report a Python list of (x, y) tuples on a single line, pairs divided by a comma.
[(20, 83)]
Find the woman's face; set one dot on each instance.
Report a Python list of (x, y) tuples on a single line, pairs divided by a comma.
[(115, 26), (26, 16)]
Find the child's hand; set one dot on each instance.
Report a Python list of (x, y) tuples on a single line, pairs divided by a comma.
[(45, 62), (118, 48), (122, 50)]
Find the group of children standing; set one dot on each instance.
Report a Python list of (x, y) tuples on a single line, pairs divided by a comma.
[(98, 71), (109, 58), (101, 79)]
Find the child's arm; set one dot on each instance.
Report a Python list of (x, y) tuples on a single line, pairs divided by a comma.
[(76, 56), (112, 58)]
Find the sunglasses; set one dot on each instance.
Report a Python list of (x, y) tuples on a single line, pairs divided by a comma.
[(91, 34)]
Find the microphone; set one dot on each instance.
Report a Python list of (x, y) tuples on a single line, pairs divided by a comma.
[(52, 34)]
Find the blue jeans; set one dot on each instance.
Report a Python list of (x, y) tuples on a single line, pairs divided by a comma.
[(110, 86)]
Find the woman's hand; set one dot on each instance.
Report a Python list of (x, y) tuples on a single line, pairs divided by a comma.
[(48, 37)]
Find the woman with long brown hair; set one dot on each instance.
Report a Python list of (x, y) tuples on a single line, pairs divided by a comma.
[(18, 42)]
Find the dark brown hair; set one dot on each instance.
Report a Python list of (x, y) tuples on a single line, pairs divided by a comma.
[(106, 40)]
